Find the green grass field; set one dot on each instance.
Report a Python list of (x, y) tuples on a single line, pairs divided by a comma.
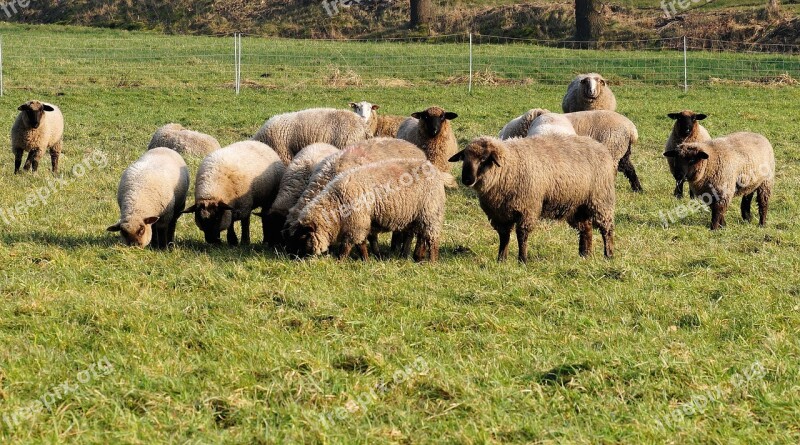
[(206, 345)]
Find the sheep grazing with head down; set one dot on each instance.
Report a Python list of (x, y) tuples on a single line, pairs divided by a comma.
[(687, 128), (39, 127), (431, 131), (380, 125), (588, 92), (151, 195), (740, 164), (232, 182), (183, 140), (519, 126), (521, 180)]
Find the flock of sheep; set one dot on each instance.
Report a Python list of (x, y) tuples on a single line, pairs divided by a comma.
[(327, 177)]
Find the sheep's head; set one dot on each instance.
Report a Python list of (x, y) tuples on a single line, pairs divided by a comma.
[(363, 109), (592, 85), (480, 155), (34, 112), (273, 223), (690, 160), (685, 122), (212, 218), (307, 240), (433, 120), (532, 114), (135, 233)]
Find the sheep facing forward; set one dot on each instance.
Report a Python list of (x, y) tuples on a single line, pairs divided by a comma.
[(380, 125), (557, 177), (431, 131), (151, 195), (38, 127), (183, 140), (588, 92), (740, 164), (687, 128), (519, 126)]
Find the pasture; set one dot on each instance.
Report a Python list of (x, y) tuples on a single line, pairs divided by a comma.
[(686, 336)]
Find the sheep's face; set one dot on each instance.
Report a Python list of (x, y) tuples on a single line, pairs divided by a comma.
[(535, 113), (478, 157), (363, 109), (690, 160), (135, 233), (34, 112), (592, 85), (685, 122), (433, 120), (309, 241), (212, 218)]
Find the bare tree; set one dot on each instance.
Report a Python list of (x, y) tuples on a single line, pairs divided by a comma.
[(588, 20), (421, 12)]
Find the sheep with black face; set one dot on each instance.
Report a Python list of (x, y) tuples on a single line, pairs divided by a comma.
[(430, 130), (687, 128), (39, 127)]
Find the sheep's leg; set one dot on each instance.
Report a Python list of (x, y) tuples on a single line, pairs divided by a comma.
[(764, 193), (718, 214), (31, 161), (434, 251), (231, 236), (344, 251), (373, 244), (608, 240), (406, 239), (18, 152), (246, 231), (154, 243), (163, 237), (397, 241), (584, 238), (171, 231), (746, 201), (54, 155), (421, 249), (678, 192), (363, 251), (522, 242), (505, 237), (626, 167)]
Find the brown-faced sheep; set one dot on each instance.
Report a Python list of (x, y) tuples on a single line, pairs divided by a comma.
[(183, 140), (431, 131), (740, 164), (557, 177), (588, 92), (687, 128), (519, 126), (39, 127), (380, 125)]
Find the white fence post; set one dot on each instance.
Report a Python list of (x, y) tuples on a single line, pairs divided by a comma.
[(470, 63), (1, 67), (239, 64), (685, 68), (237, 61)]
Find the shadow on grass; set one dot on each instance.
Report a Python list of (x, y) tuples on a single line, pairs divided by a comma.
[(56, 239), (562, 375)]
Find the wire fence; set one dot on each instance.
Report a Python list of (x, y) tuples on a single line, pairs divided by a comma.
[(240, 63)]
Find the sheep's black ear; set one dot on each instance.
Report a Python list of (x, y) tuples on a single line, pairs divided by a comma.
[(190, 209), (23, 107), (671, 153), (375, 107), (450, 116), (115, 228), (352, 104), (493, 159), (700, 116), (458, 157), (150, 220), (224, 206), (701, 155), (48, 108), (674, 115), (418, 114)]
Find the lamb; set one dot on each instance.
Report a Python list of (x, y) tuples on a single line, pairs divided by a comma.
[(551, 123), (151, 195), (519, 126), (588, 92), (740, 164), (558, 177), (686, 129), (289, 133), (396, 195), (380, 125), (294, 182), (39, 127), (231, 182), (431, 131), (183, 140), (613, 130)]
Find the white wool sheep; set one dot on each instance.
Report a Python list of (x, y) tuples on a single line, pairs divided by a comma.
[(39, 127), (289, 133), (519, 126), (151, 196), (551, 123), (183, 140), (232, 182), (380, 125), (588, 92)]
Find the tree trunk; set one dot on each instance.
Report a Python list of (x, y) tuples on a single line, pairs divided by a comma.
[(421, 11), (588, 20), (773, 9)]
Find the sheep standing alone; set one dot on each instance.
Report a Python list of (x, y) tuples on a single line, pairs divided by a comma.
[(613, 130), (740, 164), (380, 125), (558, 177), (38, 127), (588, 92), (232, 182), (183, 140), (519, 126), (431, 131), (289, 133), (687, 128), (151, 196), (551, 123), (398, 195)]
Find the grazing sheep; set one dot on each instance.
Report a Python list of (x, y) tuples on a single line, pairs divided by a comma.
[(519, 126), (740, 164), (39, 127), (232, 182), (431, 131), (289, 133), (295, 180), (686, 129), (558, 177), (613, 130), (380, 125), (151, 195), (183, 140), (588, 92), (398, 195), (551, 123)]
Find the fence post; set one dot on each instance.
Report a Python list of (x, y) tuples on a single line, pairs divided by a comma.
[(1, 67), (685, 69), (239, 65), (470, 63), (237, 61)]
